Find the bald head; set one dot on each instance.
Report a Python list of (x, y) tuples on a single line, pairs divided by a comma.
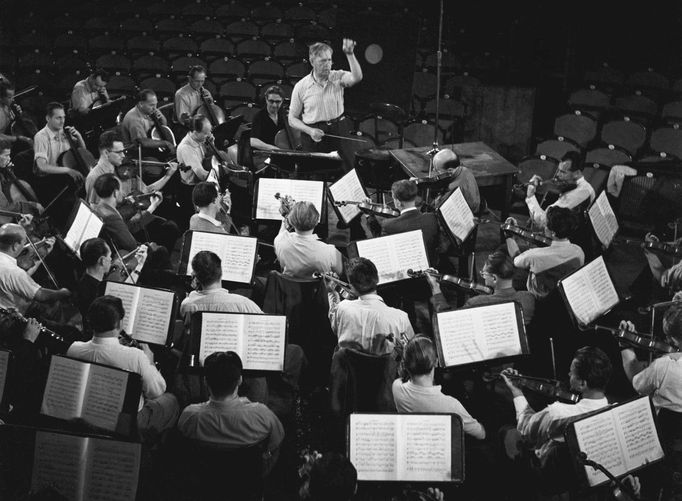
[(11, 235), (445, 159)]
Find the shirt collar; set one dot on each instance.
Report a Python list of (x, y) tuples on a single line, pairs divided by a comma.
[(105, 340), (210, 219), (403, 211), (564, 241), (372, 296), (7, 257)]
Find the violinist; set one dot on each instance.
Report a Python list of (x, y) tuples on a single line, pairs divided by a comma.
[(89, 91), (8, 111), (569, 174), (543, 430), (447, 160), (213, 209), (547, 265), (96, 257), (188, 97), (138, 121)]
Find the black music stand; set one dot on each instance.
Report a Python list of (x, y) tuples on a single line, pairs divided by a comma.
[(224, 133), (103, 116), (305, 165)]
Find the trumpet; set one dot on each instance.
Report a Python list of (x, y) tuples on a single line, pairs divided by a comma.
[(343, 288)]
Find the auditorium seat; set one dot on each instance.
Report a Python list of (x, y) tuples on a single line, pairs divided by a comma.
[(605, 78), (121, 85), (171, 26), (71, 63), (137, 25), (68, 43), (649, 83), (450, 63), (196, 11), (381, 129), (627, 134), (556, 148), (149, 65), (579, 127), (452, 114), (672, 112), (105, 44), (277, 32), (226, 68), (327, 17), (640, 108), (180, 66), (422, 133), (456, 86), (311, 33), (249, 50), (667, 140), (236, 93), (142, 44), (246, 110), (114, 62), (179, 46), (607, 156), (299, 14), (591, 100), (240, 30), (216, 47), (34, 40), (231, 12), (164, 88), (206, 28), (540, 165), (296, 71), (266, 13), (98, 25), (36, 60), (260, 72)]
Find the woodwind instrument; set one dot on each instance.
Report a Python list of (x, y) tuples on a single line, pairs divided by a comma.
[(459, 282)]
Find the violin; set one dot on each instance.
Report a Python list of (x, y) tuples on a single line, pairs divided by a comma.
[(375, 208), (127, 340), (639, 340), (662, 247), (287, 203), (27, 256), (451, 279), (536, 238), (550, 388), (209, 109), (14, 314), (76, 158), (343, 288), (119, 271)]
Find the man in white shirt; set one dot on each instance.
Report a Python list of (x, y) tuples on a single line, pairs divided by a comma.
[(158, 411), (569, 172), (367, 323), (87, 92), (188, 97)]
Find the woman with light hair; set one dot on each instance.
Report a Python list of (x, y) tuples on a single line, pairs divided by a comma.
[(300, 252)]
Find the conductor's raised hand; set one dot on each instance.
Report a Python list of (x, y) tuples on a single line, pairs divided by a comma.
[(348, 46)]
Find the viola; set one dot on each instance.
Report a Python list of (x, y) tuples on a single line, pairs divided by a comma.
[(343, 288), (135, 202), (375, 208), (459, 282), (76, 158), (120, 269), (639, 340), (536, 238), (287, 203), (550, 388), (20, 125), (27, 257)]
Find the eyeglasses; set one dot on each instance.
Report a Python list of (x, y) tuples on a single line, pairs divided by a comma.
[(274, 101)]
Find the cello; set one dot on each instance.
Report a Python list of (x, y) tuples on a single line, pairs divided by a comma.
[(76, 158), (209, 109)]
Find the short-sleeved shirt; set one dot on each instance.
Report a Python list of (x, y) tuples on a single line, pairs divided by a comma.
[(663, 381), (135, 124), (216, 300), (314, 102), (17, 288), (187, 100), (82, 96), (192, 154), (302, 255), (264, 128), (49, 144)]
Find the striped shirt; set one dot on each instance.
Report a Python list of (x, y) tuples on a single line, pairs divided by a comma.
[(49, 144), (314, 102)]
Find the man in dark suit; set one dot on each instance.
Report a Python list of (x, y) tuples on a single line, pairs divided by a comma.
[(404, 197)]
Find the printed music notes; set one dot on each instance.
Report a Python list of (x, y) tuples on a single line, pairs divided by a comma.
[(148, 312), (603, 220), (457, 216), (393, 255), (589, 292), (481, 333), (267, 206), (85, 224), (348, 187), (237, 254)]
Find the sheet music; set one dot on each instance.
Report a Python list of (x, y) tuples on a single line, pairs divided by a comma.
[(590, 292), (220, 332), (476, 334), (113, 470), (267, 206), (65, 389), (347, 188), (153, 316), (265, 339), (236, 253), (129, 295), (603, 220), (373, 446), (636, 421), (598, 438), (104, 396), (393, 255), (85, 225), (4, 364), (457, 215), (427, 453), (58, 461)]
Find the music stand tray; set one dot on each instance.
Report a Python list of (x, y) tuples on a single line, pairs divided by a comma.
[(305, 163)]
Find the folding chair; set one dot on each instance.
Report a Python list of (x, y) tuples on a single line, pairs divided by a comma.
[(556, 148), (627, 134), (226, 68), (577, 126)]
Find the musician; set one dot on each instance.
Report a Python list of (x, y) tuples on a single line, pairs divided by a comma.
[(300, 253), (96, 257), (50, 142), (317, 101), (589, 374), (188, 97), (7, 114), (211, 205), (17, 288), (87, 92), (547, 265), (569, 173), (111, 156), (367, 323), (137, 123), (447, 160), (157, 411), (6, 200)]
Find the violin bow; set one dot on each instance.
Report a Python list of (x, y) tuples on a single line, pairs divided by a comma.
[(124, 269), (42, 261)]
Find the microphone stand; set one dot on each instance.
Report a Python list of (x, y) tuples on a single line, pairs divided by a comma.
[(582, 459), (439, 56)]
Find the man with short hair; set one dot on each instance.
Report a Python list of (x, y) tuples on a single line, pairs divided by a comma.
[(7, 202), (138, 121), (317, 101), (367, 323), (447, 160), (188, 97), (7, 114), (90, 90), (96, 257), (209, 204), (51, 141), (569, 173), (157, 411)]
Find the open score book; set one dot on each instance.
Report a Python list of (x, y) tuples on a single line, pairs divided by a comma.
[(237, 254), (603, 220), (456, 215), (394, 254), (267, 206), (85, 224)]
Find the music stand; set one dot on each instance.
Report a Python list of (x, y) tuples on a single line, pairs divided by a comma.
[(103, 115), (224, 133), (305, 165)]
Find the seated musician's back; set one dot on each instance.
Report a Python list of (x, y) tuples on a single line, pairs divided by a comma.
[(209, 204)]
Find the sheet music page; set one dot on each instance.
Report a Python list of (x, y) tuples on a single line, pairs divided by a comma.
[(59, 462), (598, 438), (590, 291), (221, 332), (267, 206), (476, 334), (153, 316), (640, 440), (65, 389), (129, 295), (393, 255), (457, 215), (348, 187), (603, 220), (236, 253), (265, 338), (104, 396), (4, 364), (113, 470), (426, 451), (374, 446), (75, 235)]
